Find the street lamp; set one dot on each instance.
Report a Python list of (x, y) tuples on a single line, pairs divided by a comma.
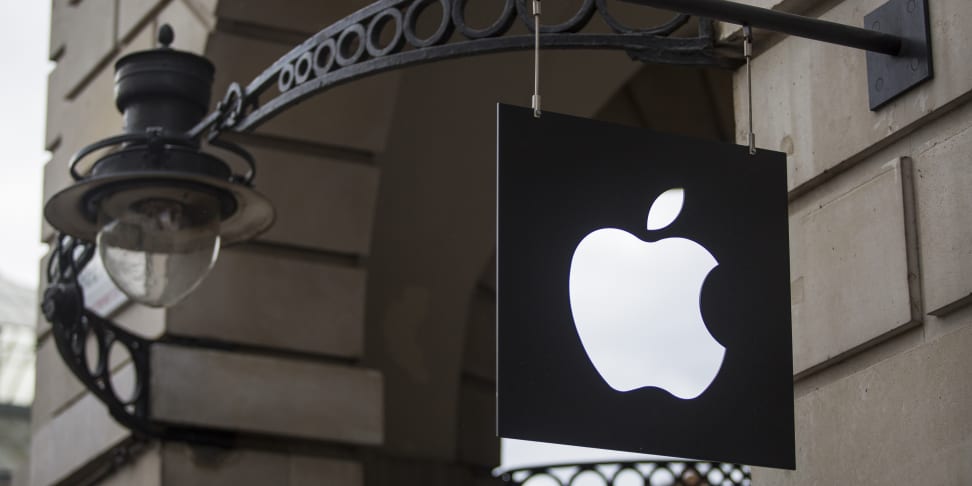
[(158, 207)]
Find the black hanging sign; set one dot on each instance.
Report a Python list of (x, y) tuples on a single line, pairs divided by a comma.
[(643, 291)]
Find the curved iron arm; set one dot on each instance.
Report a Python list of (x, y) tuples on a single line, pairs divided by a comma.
[(74, 327), (679, 473), (352, 48)]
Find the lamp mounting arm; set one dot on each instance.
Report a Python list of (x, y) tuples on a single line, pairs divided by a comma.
[(783, 22), (897, 37)]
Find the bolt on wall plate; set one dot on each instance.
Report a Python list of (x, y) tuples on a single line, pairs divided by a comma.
[(889, 77)]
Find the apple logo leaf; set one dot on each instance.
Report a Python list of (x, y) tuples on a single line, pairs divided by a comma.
[(665, 208)]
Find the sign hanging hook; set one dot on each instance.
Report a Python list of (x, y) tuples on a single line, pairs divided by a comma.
[(535, 102), (748, 53)]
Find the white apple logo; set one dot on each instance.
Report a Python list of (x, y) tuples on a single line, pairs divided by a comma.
[(636, 306)]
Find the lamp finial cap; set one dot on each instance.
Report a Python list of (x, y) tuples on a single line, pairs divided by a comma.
[(166, 35)]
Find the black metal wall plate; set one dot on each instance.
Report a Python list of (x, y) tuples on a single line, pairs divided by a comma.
[(889, 77)]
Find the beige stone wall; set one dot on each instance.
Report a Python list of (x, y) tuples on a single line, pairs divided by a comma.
[(881, 254)]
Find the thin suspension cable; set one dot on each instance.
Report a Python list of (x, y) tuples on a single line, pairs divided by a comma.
[(536, 59), (748, 53)]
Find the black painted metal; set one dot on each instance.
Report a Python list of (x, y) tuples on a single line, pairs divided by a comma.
[(154, 146), (668, 473), (73, 326), (891, 76), (810, 28), (162, 93), (162, 88), (327, 60), (897, 36), (78, 332)]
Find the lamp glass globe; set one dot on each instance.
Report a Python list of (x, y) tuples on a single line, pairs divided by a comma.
[(158, 244)]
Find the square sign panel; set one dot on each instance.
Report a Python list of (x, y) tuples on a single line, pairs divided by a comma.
[(643, 292)]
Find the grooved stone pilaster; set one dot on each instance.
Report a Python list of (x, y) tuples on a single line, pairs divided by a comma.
[(270, 395), (76, 436), (133, 12), (85, 38), (59, 18), (943, 187), (853, 265), (55, 387), (904, 420)]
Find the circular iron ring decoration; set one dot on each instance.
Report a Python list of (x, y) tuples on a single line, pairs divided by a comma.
[(302, 68), (498, 28), (442, 32), (343, 45), (323, 64), (285, 80), (572, 25), (665, 29), (377, 25)]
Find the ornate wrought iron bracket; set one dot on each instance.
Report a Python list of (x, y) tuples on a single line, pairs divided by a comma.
[(85, 341), (680, 473), (352, 48), (75, 329)]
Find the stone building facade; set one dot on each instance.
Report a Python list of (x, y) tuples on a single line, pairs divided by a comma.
[(356, 339)]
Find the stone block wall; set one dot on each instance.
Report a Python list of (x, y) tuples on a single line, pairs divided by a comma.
[(880, 252)]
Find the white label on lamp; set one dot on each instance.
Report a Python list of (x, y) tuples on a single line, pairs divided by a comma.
[(101, 295)]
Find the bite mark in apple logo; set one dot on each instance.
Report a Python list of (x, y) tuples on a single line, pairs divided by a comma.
[(636, 306)]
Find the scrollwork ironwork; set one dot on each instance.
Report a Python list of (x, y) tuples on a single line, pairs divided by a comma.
[(73, 326), (669, 473), (353, 48)]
